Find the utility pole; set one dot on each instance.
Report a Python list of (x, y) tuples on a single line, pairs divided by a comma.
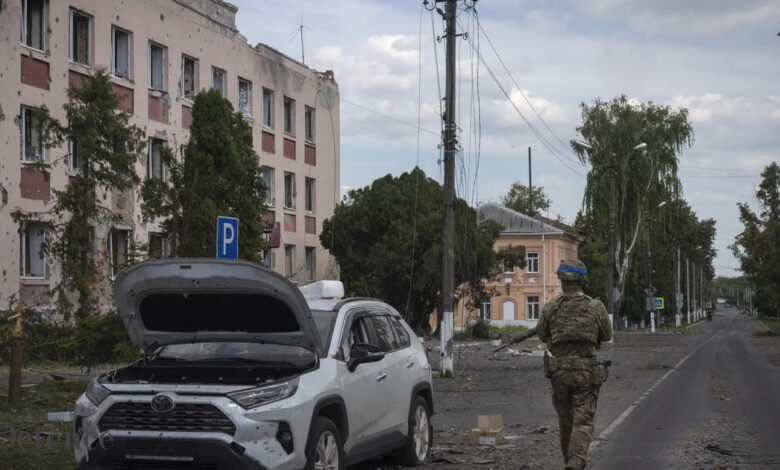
[(448, 229), (688, 288), (530, 185), (650, 292), (610, 287), (678, 295)]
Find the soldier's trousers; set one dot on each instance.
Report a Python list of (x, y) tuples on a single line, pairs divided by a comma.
[(574, 397)]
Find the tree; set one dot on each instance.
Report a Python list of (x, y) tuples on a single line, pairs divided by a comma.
[(613, 129), (219, 174), (386, 238), (526, 201), (758, 246), (107, 147)]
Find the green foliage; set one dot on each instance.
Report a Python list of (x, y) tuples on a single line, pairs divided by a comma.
[(758, 246), (108, 148), (511, 257), (380, 238), (643, 179), (526, 201), (218, 174), (97, 340)]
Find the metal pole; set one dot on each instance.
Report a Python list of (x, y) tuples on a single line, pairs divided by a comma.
[(448, 229), (650, 293), (677, 298), (17, 354), (610, 287), (688, 288)]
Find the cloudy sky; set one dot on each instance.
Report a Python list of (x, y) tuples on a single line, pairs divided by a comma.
[(718, 58)]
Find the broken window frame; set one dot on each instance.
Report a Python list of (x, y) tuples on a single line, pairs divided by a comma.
[(289, 261), (184, 92), (25, 30), (268, 108), (29, 129), (289, 116), (74, 160), (268, 179), (73, 44), (486, 310), (26, 256), (118, 249), (164, 248), (163, 61), (151, 165), (309, 124), (310, 263), (310, 188), (115, 53), (245, 101), (289, 190), (223, 88), (269, 258)]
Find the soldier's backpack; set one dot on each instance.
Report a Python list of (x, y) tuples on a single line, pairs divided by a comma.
[(573, 319)]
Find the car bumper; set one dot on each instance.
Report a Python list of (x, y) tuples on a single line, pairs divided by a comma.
[(253, 445)]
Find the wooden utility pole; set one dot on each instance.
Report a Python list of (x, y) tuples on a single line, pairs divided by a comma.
[(448, 229), (17, 354)]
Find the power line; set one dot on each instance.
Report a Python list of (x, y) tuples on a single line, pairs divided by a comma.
[(538, 135), (525, 97), (399, 121), (755, 175)]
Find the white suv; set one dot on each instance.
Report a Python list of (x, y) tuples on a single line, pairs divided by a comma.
[(244, 370)]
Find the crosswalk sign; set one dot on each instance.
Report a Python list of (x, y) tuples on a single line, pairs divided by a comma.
[(659, 303)]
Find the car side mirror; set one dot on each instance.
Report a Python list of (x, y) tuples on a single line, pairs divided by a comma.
[(363, 353)]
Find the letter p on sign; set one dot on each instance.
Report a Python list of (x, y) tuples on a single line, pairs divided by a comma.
[(227, 237)]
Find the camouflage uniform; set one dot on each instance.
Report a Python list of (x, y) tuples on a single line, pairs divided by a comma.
[(573, 325)]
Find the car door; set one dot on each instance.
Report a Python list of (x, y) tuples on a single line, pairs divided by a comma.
[(395, 363), (363, 389), (410, 371)]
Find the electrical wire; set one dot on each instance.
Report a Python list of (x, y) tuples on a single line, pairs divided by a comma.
[(399, 121)]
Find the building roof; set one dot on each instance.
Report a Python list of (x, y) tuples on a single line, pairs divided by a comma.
[(517, 223)]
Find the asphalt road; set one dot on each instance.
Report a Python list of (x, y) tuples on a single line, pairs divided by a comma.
[(719, 405)]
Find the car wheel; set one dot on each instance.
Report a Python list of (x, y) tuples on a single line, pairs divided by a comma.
[(325, 450), (418, 448)]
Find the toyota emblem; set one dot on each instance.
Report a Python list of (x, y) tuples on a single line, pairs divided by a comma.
[(163, 403)]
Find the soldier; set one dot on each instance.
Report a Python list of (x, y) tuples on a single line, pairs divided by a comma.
[(573, 326)]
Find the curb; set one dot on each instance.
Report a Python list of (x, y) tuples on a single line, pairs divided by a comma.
[(764, 325)]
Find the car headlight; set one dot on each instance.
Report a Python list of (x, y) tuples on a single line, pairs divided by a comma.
[(267, 394), (96, 392)]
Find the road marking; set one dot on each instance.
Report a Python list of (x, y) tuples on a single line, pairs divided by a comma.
[(606, 432)]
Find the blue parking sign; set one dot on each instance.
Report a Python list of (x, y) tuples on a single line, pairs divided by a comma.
[(227, 237)]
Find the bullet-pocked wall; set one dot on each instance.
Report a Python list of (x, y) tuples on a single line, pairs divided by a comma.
[(160, 53)]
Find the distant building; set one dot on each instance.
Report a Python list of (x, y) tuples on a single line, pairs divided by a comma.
[(516, 296), (160, 53)]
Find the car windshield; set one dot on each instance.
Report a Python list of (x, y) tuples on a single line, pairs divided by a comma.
[(237, 352), (324, 319)]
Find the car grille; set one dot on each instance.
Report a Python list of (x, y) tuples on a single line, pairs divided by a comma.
[(189, 417), (164, 466)]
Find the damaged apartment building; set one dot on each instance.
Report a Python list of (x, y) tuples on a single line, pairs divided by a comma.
[(160, 53)]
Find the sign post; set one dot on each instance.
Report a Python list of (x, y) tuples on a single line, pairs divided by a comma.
[(227, 237)]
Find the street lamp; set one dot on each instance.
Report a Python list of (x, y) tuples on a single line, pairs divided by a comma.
[(611, 244)]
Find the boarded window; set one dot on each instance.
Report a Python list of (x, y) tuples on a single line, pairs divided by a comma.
[(80, 37), (32, 139), (120, 47), (289, 115), (32, 256), (218, 80), (268, 108), (33, 24), (156, 66), (189, 67), (289, 260), (269, 258), (245, 98)]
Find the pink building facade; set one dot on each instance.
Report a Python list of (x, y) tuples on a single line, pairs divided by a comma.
[(160, 53)]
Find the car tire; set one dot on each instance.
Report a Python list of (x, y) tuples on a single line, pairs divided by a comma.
[(325, 450), (418, 448)]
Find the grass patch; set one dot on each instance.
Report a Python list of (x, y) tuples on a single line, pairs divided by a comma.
[(53, 450), (772, 323)]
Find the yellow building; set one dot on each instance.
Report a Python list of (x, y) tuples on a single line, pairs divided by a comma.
[(518, 295)]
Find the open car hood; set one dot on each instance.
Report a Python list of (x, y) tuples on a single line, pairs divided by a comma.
[(201, 300)]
